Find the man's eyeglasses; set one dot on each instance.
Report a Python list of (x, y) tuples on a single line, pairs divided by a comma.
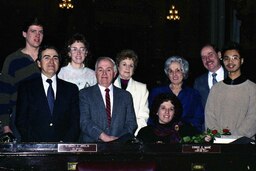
[(209, 55), (80, 50), (232, 58)]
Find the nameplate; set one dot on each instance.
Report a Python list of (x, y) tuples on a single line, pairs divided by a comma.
[(201, 149), (77, 148)]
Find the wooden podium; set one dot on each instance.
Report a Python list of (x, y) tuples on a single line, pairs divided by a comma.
[(54, 156)]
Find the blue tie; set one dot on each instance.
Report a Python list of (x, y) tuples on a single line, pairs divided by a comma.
[(50, 95), (214, 80)]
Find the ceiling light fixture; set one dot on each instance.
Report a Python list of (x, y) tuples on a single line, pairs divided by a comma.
[(173, 14), (66, 4)]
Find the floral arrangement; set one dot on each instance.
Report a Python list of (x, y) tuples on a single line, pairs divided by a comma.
[(206, 137)]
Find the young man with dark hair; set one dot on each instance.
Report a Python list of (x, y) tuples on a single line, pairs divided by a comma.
[(18, 67), (231, 103)]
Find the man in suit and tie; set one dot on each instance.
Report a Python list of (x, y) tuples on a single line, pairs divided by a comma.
[(107, 112), (48, 107), (211, 60)]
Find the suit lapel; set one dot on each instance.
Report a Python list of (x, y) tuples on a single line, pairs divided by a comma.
[(207, 89), (98, 96), (59, 96), (115, 102), (101, 108), (130, 86)]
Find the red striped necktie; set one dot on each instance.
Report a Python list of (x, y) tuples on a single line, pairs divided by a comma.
[(108, 106)]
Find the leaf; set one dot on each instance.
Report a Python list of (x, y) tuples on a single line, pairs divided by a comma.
[(200, 138), (186, 139)]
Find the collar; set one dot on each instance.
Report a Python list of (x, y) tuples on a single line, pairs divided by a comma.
[(54, 78), (219, 72), (236, 81), (103, 88), (69, 64)]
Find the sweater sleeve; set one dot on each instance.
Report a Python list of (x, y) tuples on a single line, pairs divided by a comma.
[(248, 126)]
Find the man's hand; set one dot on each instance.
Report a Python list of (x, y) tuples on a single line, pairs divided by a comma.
[(7, 135), (7, 129), (107, 138)]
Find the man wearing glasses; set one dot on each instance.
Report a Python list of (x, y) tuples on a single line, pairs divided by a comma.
[(231, 102)]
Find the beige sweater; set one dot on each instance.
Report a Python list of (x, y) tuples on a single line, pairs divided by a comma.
[(232, 107)]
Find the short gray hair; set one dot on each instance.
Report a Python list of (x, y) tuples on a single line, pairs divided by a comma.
[(105, 58), (183, 63)]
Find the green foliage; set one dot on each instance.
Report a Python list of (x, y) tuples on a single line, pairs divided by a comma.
[(206, 137)]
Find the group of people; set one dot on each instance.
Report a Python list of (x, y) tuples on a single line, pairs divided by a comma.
[(44, 102)]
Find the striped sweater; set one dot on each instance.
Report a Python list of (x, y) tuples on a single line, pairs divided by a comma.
[(17, 68)]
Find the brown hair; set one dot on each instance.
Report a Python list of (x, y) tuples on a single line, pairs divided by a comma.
[(127, 54)]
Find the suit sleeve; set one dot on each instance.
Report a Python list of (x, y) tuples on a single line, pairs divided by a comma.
[(196, 85), (74, 130), (87, 125), (130, 123), (248, 126), (21, 119)]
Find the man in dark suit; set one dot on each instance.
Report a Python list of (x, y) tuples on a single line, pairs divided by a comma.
[(106, 119), (211, 60), (41, 120)]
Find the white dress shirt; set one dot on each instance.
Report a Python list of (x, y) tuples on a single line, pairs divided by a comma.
[(46, 85), (219, 76)]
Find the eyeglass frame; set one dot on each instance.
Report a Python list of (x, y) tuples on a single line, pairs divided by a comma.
[(232, 58), (80, 50)]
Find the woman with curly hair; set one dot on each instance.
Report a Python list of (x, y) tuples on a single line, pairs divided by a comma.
[(166, 126)]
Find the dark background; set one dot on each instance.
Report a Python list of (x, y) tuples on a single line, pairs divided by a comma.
[(113, 25)]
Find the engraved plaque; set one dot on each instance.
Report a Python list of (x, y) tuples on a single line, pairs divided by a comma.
[(77, 148), (201, 149)]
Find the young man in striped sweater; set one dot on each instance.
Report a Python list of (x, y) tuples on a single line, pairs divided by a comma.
[(18, 67)]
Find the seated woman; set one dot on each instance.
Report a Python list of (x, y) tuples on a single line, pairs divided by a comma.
[(166, 125), (176, 69)]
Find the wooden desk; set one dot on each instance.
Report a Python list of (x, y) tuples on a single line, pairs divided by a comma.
[(45, 156)]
